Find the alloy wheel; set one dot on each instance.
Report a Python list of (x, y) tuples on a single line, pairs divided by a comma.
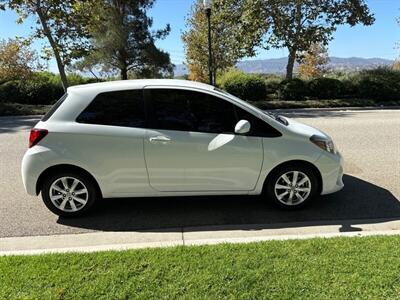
[(292, 188), (68, 194)]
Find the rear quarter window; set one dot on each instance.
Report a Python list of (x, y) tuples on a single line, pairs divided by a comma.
[(117, 108)]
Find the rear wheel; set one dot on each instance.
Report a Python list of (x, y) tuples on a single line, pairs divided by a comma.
[(292, 187), (69, 194)]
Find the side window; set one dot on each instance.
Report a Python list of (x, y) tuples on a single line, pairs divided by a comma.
[(213, 114), (119, 108), (171, 110), (258, 127), (183, 110)]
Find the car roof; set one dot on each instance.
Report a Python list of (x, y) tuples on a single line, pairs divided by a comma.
[(137, 83)]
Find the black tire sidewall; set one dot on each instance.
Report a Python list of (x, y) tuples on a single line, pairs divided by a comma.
[(87, 181), (270, 185)]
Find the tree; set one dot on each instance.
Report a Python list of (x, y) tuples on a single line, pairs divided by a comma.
[(61, 23), (313, 62), (17, 60), (229, 21), (396, 65), (123, 42), (297, 24)]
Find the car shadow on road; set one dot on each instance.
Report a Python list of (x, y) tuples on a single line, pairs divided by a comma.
[(18, 123), (360, 202)]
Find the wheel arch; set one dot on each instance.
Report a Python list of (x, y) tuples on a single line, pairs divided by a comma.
[(64, 167), (295, 163)]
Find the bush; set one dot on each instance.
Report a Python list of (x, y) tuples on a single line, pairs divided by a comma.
[(272, 84), (245, 86), (350, 88), (293, 89), (43, 88), (326, 88), (380, 84), (11, 91)]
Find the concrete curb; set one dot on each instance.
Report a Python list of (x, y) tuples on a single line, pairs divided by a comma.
[(190, 236)]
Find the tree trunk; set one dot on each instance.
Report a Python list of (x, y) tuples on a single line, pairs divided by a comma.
[(124, 73), (293, 47), (47, 33), (290, 64)]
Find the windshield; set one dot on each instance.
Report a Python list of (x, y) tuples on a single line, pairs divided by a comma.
[(276, 117)]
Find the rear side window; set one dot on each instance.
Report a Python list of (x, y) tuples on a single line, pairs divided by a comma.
[(119, 108), (54, 108)]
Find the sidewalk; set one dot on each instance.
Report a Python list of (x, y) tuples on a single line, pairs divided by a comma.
[(188, 236)]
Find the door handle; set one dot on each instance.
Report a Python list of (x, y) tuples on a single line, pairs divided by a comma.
[(159, 138)]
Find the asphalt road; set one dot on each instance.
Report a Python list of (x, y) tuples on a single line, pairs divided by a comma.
[(369, 141)]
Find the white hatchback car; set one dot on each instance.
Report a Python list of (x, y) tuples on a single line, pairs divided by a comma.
[(143, 138)]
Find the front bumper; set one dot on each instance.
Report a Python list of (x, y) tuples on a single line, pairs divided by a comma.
[(331, 168)]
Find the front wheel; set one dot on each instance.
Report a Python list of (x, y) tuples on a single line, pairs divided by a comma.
[(292, 187), (68, 194)]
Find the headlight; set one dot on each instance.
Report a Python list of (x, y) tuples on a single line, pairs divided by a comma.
[(323, 143)]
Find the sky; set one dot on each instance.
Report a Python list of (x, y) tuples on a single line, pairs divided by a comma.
[(378, 40)]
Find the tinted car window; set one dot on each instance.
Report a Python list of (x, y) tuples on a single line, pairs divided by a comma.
[(258, 127), (54, 108), (175, 109), (119, 108)]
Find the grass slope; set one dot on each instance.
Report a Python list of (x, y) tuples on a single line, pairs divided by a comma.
[(340, 268)]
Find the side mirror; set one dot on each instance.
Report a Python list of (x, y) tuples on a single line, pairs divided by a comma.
[(242, 127)]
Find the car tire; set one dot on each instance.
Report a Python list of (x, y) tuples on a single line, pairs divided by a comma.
[(69, 194), (290, 191)]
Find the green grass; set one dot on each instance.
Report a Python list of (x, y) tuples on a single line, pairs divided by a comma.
[(339, 268), (16, 109)]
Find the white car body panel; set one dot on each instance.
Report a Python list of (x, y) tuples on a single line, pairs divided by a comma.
[(125, 163), (202, 161)]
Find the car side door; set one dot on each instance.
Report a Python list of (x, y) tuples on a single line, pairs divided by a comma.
[(190, 144)]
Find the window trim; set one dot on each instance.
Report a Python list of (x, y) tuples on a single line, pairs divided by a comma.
[(54, 108)]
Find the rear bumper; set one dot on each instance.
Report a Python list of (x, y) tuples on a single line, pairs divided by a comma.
[(33, 164), (331, 168)]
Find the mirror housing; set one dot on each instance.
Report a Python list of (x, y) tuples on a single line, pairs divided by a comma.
[(242, 127)]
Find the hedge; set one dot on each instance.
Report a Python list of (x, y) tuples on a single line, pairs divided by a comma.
[(42, 88), (293, 89), (245, 86), (381, 84), (326, 88)]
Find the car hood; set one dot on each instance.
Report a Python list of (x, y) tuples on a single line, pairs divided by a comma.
[(303, 129)]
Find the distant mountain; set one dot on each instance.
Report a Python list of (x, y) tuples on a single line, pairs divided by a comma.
[(278, 65)]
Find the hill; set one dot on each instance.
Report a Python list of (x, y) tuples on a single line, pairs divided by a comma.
[(278, 65)]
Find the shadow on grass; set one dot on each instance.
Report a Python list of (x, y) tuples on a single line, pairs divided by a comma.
[(359, 200)]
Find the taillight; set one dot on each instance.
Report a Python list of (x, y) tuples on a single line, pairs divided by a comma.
[(36, 136)]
